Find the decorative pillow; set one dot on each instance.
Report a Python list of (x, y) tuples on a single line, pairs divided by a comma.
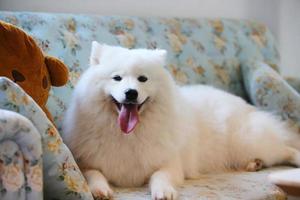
[(269, 91)]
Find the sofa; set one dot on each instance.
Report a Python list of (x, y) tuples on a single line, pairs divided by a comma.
[(238, 56)]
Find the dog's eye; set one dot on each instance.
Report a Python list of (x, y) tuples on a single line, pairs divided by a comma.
[(117, 78), (142, 78)]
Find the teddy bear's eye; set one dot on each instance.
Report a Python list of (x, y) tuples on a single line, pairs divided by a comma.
[(117, 78), (142, 78), (18, 77)]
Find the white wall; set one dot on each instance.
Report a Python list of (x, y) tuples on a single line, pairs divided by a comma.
[(289, 37), (281, 16)]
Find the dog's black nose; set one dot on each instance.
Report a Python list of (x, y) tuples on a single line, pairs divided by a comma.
[(131, 94)]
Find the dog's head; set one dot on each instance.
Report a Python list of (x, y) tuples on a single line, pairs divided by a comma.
[(130, 79)]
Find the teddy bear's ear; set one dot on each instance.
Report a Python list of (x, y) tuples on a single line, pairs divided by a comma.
[(58, 71)]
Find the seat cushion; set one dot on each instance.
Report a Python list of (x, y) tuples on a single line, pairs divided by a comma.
[(235, 185)]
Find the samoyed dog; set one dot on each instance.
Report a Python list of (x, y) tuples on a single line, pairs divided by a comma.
[(129, 124)]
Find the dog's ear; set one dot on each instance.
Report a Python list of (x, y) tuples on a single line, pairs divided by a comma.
[(162, 55), (95, 53)]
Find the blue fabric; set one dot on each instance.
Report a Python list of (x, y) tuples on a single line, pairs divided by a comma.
[(21, 175)]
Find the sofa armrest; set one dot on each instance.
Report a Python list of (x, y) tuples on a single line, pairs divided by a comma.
[(20, 158), (64, 179), (269, 91), (294, 82)]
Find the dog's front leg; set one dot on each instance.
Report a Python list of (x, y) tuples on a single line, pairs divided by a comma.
[(98, 184), (163, 181)]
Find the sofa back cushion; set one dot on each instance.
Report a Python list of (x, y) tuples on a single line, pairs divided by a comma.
[(208, 51)]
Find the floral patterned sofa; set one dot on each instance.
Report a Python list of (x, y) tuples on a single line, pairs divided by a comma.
[(238, 56)]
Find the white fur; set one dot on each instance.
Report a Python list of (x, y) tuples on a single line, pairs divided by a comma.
[(183, 131)]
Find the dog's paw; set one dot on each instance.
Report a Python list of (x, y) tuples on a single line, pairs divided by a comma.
[(101, 191), (254, 165), (163, 192)]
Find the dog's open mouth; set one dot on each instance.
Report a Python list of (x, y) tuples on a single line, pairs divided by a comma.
[(128, 114)]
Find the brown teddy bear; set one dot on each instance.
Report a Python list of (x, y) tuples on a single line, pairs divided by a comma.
[(23, 61)]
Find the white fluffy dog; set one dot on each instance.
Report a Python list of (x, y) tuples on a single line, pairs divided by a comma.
[(129, 124)]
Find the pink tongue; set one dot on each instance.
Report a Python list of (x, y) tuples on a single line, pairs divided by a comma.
[(128, 117)]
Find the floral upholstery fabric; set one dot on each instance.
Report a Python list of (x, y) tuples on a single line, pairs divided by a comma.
[(21, 175), (235, 185), (63, 179), (199, 51), (269, 91)]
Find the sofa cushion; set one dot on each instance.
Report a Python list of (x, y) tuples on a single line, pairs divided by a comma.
[(235, 185)]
